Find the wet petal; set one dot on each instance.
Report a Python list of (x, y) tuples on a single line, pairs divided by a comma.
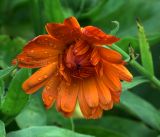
[(50, 91), (39, 78), (69, 97), (96, 36), (28, 62), (67, 32), (43, 46), (91, 92), (110, 55)]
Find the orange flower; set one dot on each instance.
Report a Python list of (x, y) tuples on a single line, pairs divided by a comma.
[(74, 66)]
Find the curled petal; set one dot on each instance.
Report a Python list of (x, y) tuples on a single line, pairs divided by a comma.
[(98, 37), (39, 78)]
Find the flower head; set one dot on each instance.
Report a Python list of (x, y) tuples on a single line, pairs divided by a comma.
[(74, 66)]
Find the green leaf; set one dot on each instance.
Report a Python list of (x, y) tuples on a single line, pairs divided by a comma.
[(34, 114), (1, 91), (45, 131), (15, 98), (2, 129), (37, 21), (97, 131), (141, 109), (53, 116), (7, 71), (135, 82), (146, 56), (9, 49), (95, 11), (53, 11), (119, 125)]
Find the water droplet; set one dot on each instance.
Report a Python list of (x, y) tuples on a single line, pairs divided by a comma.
[(50, 44), (21, 59), (32, 51), (50, 97), (45, 52), (39, 79), (45, 76), (47, 87)]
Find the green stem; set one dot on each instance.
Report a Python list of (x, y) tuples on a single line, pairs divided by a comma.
[(72, 124), (137, 66), (144, 72), (124, 54)]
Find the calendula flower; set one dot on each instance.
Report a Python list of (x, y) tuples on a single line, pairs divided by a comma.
[(74, 67)]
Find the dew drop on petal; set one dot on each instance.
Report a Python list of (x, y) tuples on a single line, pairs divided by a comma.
[(39, 79), (50, 97), (45, 76), (32, 51)]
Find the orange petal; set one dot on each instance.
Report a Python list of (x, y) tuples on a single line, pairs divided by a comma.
[(99, 69), (103, 92), (72, 23), (43, 46), (122, 72), (91, 92), (39, 78), (61, 68), (110, 55), (49, 93), (116, 96), (28, 62), (95, 58), (97, 36), (107, 106), (70, 58), (69, 97), (63, 32), (86, 110), (80, 48), (97, 113), (110, 78)]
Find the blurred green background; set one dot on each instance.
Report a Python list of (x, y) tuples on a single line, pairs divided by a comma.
[(24, 116)]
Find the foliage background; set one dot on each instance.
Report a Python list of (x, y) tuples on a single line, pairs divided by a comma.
[(138, 113)]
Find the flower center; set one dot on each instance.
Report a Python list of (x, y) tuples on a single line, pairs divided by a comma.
[(77, 60)]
